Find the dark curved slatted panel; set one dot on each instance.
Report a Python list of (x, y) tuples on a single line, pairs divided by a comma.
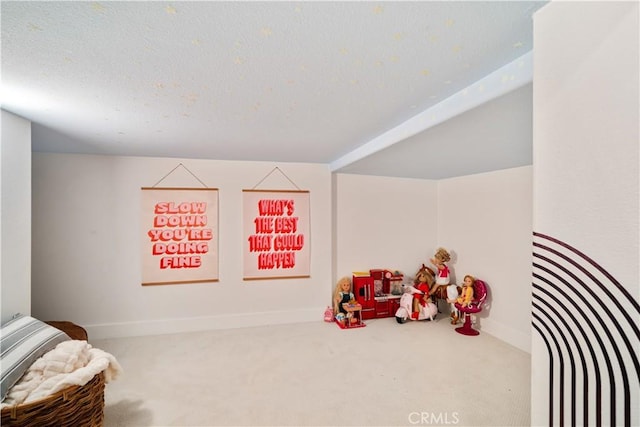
[(592, 320)]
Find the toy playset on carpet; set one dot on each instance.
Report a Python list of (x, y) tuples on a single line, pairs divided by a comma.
[(383, 293)]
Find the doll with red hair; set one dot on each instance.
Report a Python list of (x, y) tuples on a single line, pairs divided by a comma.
[(423, 281), (464, 299)]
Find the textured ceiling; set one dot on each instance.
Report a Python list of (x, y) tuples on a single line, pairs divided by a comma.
[(273, 81)]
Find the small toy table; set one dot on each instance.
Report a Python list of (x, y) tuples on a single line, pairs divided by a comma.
[(356, 311)]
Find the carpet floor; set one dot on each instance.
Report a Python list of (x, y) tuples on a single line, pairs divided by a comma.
[(315, 374)]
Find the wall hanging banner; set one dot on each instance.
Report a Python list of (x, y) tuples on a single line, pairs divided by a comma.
[(179, 235), (276, 234)]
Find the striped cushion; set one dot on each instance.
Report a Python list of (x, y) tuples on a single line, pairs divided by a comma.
[(24, 339)]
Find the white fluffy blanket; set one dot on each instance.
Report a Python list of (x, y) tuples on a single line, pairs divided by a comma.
[(69, 363)]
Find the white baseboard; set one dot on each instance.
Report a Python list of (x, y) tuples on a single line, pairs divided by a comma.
[(195, 324), (507, 334), (246, 320)]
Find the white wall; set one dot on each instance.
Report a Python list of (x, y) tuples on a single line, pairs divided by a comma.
[(86, 242), (485, 222), (86, 245), (383, 222), (586, 198), (587, 130), (15, 218)]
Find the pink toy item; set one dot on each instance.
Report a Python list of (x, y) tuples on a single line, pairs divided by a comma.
[(328, 314)]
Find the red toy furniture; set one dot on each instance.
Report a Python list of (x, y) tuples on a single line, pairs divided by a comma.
[(379, 292), (363, 290), (479, 296), (356, 311)]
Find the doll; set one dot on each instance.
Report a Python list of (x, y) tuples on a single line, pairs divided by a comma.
[(424, 280), (342, 295), (467, 291), (465, 298), (442, 276), (452, 297)]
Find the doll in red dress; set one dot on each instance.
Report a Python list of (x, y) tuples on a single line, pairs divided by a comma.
[(423, 281)]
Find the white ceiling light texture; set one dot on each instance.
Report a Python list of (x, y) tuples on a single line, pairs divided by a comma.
[(273, 81)]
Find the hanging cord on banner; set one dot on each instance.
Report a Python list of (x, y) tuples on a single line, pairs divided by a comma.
[(185, 168), (272, 171)]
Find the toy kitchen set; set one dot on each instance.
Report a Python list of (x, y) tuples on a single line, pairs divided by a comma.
[(378, 291)]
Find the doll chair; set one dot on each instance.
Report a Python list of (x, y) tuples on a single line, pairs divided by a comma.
[(479, 297)]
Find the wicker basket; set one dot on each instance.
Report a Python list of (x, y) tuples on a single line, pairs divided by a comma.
[(72, 330), (72, 407)]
